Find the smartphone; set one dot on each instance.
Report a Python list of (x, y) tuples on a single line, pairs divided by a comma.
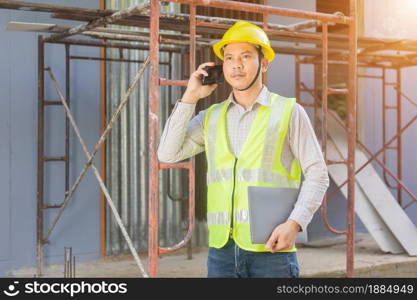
[(215, 75)]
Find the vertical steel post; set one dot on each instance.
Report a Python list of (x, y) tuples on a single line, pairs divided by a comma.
[(265, 16), (324, 83), (40, 171), (297, 78), (103, 99), (191, 170), (67, 129), (192, 37), (351, 125), (324, 95), (265, 27), (386, 107), (399, 140), (170, 76), (153, 136), (384, 119), (315, 95), (103, 120)]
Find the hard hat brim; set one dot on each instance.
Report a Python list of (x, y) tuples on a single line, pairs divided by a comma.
[(267, 50)]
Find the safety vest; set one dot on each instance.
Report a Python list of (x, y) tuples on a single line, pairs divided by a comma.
[(259, 164)]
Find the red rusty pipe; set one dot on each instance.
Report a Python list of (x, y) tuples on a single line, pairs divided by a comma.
[(189, 164), (324, 218), (297, 79), (264, 9), (191, 214), (153, 136), (399, 140), (269, 31), (384, 146), (351, 125), (183, 165), (384, 124), (398, 180), (163, 81), (323, 208), (382, 164), (325, 71), (324, 38), (265, 17)]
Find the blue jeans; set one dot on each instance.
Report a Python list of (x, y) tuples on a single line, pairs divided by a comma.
[(234, 262)]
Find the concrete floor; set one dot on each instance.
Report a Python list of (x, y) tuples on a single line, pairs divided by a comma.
[(326, 258)]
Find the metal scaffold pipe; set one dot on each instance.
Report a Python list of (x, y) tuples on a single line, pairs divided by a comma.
[(90, 162), (101, 21)]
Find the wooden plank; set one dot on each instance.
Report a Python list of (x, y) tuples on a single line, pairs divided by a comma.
[(36, 27)]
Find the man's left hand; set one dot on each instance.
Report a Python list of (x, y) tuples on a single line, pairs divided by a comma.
[(283, 237)]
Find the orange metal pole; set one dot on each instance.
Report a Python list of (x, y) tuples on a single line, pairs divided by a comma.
[(189, 165), (263, 9), (399, 140), (325, 90), (325, 70), (164, 81), (385, 107), (191, 170), (265, 17), (373, 156), (351, 124), (153, 136), (382, 164), (297, 79), (265, 28), (270, 31)]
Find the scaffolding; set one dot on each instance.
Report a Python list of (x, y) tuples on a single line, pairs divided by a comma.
[(345, 49)]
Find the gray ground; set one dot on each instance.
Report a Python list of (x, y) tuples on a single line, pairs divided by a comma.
[(326, 258)]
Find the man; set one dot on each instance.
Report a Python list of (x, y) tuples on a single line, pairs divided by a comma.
[(254, 137)]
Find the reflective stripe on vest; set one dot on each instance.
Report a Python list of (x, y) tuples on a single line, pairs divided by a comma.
[(251, 175), (222, 218), (218, 218), (259, 164)]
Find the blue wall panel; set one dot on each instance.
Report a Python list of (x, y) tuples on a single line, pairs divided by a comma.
[(80, 223)]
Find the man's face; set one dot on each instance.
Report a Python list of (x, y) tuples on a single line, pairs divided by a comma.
[(241, 63)]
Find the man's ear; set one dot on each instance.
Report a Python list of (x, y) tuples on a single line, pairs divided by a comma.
[(265, 64)]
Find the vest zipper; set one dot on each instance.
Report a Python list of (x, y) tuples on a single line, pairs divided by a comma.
[(233, 196)]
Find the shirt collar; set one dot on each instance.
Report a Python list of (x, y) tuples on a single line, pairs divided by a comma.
[(263, 98)]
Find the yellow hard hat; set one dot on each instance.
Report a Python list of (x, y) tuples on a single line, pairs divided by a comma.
[(243, 31)]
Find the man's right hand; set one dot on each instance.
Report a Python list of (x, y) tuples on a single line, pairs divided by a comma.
[(195, 90)]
